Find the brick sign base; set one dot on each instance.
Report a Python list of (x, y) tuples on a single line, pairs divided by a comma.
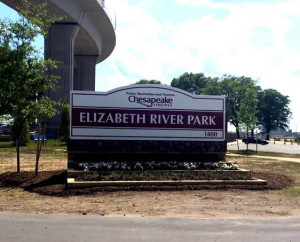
[(139, 151)]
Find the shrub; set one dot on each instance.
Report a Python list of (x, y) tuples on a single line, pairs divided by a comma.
[(64, 130)]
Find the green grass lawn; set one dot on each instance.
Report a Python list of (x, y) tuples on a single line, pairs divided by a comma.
[(53, 156), (49, 146)]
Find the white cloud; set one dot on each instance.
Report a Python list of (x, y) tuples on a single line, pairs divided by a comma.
[(147, 48), (146, 3), (195, 3)]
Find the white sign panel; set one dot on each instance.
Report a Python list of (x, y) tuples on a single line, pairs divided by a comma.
[(147, 112)]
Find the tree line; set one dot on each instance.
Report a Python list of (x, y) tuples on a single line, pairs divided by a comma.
[(248, 106)]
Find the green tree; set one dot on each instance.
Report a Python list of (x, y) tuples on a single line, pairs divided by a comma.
[(246, 115), (144, 81), (274, 111), (23, 79), (234, 89), (190, 82), (213, 87), (38, 16)]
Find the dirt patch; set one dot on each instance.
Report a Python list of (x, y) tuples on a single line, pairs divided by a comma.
[(228, 203)]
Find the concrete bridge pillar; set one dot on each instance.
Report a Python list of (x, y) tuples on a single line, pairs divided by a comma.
[(85, 72), (59, 46)]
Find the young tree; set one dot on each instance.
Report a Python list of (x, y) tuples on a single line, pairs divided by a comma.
[(246, 115), (23, 79)]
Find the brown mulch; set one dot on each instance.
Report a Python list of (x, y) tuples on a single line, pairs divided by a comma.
[(52, 183), (28, 178), (275, 181)]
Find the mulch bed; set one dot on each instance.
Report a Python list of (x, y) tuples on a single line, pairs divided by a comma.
[(52, 183)]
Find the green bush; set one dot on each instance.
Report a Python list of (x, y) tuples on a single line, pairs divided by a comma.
[(64, 130)]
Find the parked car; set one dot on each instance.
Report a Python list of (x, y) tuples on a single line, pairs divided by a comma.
[(5, 129), (254, 140)]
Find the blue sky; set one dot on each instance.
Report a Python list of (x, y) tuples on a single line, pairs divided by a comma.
[(162, 39)]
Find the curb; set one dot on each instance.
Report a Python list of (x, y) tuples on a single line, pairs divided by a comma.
[(71, 183)]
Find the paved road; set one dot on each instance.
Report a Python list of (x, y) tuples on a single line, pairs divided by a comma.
[(280, 148), (20, 227)]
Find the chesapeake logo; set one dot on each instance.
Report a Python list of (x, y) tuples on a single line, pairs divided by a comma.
[(152, 101)]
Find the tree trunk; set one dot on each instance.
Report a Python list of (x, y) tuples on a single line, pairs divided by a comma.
[(268, 134), (247, 139), (237, 131), (39, 148), (18, 153), (237, 142), (38, 144), (237, 128), (256, 142)]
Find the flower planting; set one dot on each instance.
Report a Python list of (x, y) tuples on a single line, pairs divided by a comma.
[(154, 165)]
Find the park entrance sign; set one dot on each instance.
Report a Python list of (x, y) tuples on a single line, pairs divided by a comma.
[(147, 112)]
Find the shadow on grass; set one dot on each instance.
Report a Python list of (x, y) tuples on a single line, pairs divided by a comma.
[(29, 182)]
